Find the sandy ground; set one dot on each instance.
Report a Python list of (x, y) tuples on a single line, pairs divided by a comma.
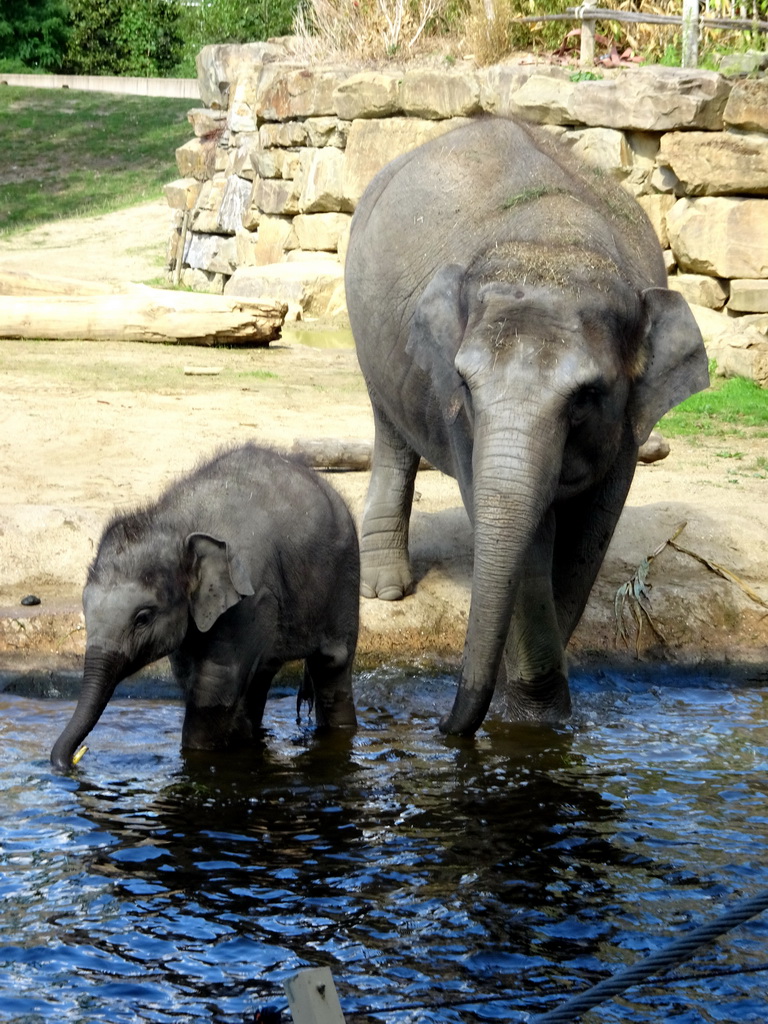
[(88, 427)]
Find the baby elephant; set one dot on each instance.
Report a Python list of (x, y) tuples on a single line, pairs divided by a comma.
[(249, 562)]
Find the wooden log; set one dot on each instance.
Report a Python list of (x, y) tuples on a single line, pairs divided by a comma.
[(336, 453), (143, 314)]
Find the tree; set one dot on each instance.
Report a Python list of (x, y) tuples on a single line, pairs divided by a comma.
[(124, 37), (33, 34), (235, 21)]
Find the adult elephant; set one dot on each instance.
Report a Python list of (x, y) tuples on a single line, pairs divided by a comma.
[(514, 327)]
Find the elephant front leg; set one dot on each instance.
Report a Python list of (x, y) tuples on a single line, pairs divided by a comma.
[(536, 687), (385, 568)]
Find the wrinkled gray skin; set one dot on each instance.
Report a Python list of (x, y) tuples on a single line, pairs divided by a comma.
[(249, 562), (513, 324)]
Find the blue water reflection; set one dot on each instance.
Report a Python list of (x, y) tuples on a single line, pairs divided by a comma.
[(496, 876)]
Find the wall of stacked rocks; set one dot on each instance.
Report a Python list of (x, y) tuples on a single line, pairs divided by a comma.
[(282, 152)]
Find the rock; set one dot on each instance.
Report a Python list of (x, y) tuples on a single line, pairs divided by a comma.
[(326, 131), (322, 183), (234, 203), (656, 208), (700, 290), (215, 253), (320, 231), (743, 63), (747, 106), (300, 93), (316, 286), (276, 196), (748, 296), (649, 99), (739, 348), (605, 148), (725, 237), (196, 159), (746, 355), (372, 144), (183, 193), (500, 82), (368, 94), (719, 163), (436, 94), (203, 281), (207, 122), (275, 236), (655, 449), (206, 214), (220, 65)]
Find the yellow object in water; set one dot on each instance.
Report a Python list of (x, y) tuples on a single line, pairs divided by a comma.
[(78, 754)]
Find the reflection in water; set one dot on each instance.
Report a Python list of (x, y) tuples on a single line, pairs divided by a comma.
[(153, 887)]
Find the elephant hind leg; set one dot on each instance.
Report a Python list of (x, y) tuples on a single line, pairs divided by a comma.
[(328, 676), (385, 569)]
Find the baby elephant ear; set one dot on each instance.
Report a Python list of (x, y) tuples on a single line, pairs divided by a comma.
[(218, 579), (677, 360)]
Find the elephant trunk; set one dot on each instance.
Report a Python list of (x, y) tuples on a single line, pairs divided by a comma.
[(101, 674), (516, 473)]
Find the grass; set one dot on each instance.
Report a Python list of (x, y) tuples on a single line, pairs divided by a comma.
[(733, 407), (70, 153)]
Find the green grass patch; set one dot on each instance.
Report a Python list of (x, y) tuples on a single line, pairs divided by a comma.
[(733, 407), (67, 153)]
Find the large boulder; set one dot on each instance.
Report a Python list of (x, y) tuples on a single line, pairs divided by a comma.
[(218, 66), (372, 144), (722, 237), (747, 105), (368, 94), (431, 93), (315, 286), (717, 163), (649, 99)]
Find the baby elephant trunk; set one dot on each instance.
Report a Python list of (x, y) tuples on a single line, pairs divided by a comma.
[(101, 674)]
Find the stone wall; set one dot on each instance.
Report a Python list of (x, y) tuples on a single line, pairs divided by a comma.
[(282, 152)]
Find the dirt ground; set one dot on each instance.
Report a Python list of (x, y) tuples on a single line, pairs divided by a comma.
[(89, 427)]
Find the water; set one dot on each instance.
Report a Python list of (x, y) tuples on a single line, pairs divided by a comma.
[(499, 875)]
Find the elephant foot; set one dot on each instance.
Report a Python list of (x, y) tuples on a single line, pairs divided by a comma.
[(546, 700), (390, 582)]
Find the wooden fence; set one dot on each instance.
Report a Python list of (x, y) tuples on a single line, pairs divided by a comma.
[(690, 21)]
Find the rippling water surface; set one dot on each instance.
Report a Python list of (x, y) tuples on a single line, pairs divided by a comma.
[(462, 881)]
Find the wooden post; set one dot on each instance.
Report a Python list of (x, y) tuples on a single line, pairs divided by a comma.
[(181, 247), (690, 33), (587, 49), (312, 997)]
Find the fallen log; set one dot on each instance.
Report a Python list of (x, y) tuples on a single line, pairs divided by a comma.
[(143, 314), (336, 453)]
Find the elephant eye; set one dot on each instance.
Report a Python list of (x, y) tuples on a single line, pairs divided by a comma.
[(584, 401), (143, 617)]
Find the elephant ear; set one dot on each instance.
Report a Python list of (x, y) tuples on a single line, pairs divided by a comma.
[(219, 579), (677, 365), (435, 335)]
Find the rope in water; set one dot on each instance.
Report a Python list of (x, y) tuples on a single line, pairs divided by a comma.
[(656, 963)]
